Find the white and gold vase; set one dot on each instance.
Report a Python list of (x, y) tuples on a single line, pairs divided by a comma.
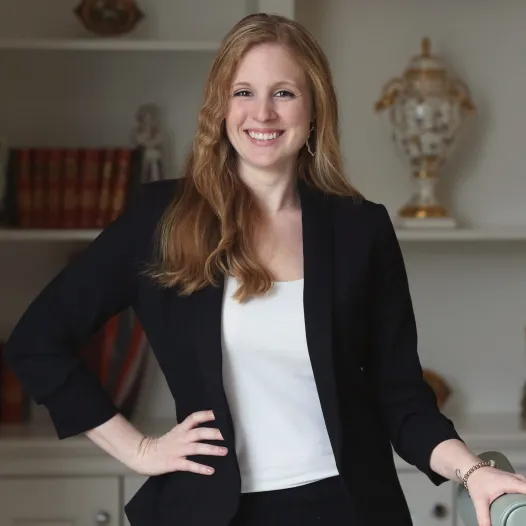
[(426, 109)]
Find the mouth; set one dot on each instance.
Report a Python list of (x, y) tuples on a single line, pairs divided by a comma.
[(264, 138)]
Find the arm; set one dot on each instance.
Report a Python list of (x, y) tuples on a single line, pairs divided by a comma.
[(450, 456), (43, 347), (120, 439), (407, 403)]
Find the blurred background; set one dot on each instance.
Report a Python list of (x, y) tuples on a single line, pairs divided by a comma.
[(111, 92)]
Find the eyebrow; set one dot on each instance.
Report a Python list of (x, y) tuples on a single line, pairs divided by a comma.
[(280, 83)]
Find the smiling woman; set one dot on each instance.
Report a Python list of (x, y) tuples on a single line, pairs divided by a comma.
[(276, 301)]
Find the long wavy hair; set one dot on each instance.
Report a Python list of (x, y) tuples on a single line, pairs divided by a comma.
[(209, 228)]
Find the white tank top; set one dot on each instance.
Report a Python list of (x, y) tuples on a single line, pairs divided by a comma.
[(281, 437)]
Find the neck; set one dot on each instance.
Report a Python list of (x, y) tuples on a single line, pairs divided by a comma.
[(274, 190)]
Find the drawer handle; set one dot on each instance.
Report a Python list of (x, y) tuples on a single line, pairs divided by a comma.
[(102, 517), (440, 511)]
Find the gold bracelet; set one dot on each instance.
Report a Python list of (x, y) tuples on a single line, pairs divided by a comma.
[(484, 463)]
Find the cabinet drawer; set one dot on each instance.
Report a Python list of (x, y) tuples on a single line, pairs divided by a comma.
[(61, 501)]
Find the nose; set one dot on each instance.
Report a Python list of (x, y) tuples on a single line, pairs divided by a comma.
[(264, 110)]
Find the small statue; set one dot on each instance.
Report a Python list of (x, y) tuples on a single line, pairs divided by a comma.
[(147, 135)]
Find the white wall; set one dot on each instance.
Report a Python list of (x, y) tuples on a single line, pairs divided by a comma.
[(470, 299)]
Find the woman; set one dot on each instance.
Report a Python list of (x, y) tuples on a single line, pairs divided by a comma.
[(276, 302)]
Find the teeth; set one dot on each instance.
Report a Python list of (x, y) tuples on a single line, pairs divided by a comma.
[(264, 136)]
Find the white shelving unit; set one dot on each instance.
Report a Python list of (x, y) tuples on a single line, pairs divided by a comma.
[(47, 235), (94, 44), (64, 87), (481, 235)]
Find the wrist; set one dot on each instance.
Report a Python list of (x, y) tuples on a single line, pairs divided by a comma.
[(119, 438), (141, 453), (474, 470), (465, 465)]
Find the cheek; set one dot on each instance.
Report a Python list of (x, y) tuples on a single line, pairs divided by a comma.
[(299, 115), (234, 116)]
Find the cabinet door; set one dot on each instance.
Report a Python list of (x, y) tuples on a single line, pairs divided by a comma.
[(132, 483), (61, 501), (429, 505)]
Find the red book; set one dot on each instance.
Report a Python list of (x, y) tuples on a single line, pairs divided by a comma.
[(120, 184), (89, 188), (23, 188), (105, 188), (14, 402), (70, 196), (53, 216), (38, 190)]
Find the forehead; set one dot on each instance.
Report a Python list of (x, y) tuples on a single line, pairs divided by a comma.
[(270, 63)]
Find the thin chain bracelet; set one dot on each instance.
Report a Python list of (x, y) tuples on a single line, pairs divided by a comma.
[(484, 463)]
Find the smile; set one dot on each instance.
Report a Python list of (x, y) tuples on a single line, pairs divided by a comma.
[(264, 137)]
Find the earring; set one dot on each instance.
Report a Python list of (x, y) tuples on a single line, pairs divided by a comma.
[(307, 142)]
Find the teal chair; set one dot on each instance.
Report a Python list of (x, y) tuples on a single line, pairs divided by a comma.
[(507, 510)]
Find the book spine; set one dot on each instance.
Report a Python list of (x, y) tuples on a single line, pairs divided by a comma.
[(121, 183), (23, 188), (70, 179)]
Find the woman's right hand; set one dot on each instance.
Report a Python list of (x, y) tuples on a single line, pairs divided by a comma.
[(167, 453)]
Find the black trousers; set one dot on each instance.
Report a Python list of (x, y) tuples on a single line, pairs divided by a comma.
[(321, 503)]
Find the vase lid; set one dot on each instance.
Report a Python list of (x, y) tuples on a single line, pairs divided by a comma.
[(425, 61)]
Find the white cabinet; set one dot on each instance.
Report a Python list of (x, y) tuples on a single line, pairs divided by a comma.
[(429, 505), (61, 501)]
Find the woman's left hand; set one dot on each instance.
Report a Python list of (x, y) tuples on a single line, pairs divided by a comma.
[(487, 484)]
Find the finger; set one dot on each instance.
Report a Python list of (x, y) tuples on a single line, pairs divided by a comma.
[(195, 419), (196, 448), (483, 513), (194, 467), (519, 486), (203, 433)]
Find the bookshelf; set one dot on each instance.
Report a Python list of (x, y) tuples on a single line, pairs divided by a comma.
[(94, 44), (47, 235), (479, 235)]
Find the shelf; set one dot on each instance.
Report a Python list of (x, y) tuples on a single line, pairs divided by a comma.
[(504, 233), (489, 234), (105, 44), (20, 234)]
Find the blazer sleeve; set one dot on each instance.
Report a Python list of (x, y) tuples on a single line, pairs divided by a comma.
[(407, 403), (42, 350)]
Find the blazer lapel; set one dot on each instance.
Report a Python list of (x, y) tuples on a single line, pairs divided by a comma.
[(318, 304), (205, 316)]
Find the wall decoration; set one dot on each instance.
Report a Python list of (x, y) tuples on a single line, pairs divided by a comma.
[(109, 17)]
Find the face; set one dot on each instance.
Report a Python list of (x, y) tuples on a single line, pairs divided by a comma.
[(269, 113)]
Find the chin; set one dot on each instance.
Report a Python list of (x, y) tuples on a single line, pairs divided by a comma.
[(268, 163)]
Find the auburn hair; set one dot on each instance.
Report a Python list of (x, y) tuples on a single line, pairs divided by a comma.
[(208, 229)]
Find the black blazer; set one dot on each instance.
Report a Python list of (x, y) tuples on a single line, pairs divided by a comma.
[(361, 339)]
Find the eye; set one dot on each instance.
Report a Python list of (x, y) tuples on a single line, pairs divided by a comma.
[(242, 93), (284, 93)]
